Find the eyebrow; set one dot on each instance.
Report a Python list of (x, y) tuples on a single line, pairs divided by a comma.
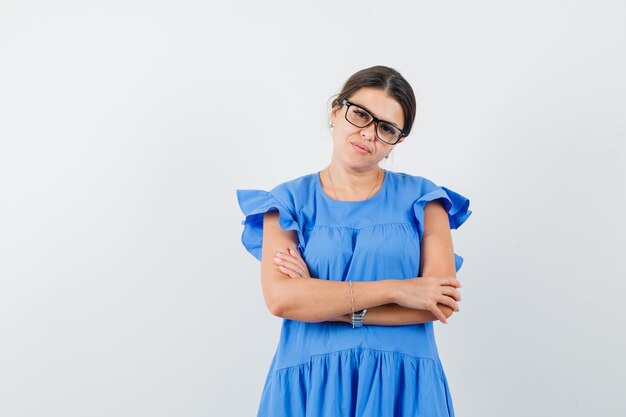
[(372, 113)]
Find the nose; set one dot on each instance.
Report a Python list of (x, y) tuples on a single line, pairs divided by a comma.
[(369, 132)]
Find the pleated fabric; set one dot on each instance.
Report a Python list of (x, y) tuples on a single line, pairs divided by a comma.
[(326, 369)]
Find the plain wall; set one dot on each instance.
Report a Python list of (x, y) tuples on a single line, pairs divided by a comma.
[(126, 126)]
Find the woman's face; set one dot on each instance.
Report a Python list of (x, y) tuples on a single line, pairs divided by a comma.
[(359, 148)]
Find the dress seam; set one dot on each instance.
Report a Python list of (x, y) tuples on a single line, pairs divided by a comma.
[(364, 227), (355, 348)]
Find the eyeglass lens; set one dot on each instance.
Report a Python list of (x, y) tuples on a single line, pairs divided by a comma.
[(361, 118)]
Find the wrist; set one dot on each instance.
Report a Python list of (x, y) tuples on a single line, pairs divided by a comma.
[(345, 318), (393, 291)]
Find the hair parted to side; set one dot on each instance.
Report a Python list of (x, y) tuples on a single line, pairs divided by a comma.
[(390, 81)]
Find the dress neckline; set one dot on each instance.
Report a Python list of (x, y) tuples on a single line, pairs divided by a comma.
[(326, 197)]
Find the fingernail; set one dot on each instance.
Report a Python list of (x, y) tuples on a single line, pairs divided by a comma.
[(292, 250), (276, 259), (278, 253)]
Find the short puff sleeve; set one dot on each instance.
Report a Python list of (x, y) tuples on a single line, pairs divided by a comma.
[(255, 203), (455, 204)]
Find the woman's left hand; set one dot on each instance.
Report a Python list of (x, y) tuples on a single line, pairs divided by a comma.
[(292, 264)]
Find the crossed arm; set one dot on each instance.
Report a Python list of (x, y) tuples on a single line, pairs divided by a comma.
[(389, 302)]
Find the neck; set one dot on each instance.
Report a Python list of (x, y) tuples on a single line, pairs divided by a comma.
[(349, 184), (346, 178)]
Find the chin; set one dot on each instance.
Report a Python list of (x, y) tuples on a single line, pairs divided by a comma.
[(362, 165)]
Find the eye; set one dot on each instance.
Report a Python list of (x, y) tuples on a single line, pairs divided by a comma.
[(361, 114), (388, 129)]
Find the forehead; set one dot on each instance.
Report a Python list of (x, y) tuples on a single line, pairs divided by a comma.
[(379, 104)]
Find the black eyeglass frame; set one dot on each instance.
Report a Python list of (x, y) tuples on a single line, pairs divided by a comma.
[(346, 103)]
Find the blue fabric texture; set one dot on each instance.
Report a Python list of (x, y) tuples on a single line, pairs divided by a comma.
[(329, 369)]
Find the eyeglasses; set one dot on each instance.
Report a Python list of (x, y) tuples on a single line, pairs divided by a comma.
[(360, 117)]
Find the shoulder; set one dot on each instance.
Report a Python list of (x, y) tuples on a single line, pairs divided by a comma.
[(421, 190), (411, 185), (294, 192)]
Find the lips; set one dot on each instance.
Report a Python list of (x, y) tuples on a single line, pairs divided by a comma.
[(360, 148)]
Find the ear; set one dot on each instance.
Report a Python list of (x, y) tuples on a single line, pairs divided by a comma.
[(333, 113)]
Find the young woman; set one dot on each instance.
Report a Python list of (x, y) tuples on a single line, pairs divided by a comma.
[(359, 262)]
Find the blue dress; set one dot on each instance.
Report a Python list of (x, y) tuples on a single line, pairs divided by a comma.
[(330, 369)]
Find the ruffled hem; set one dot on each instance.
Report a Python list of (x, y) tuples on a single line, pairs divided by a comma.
[(455, 204), (253, 204), (360, 382)]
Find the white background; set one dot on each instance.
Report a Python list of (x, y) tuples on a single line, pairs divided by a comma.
[(126, 126)]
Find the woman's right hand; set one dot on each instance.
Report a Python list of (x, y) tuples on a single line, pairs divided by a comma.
[(425, 293)]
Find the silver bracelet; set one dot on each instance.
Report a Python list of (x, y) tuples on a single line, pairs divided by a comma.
[(351, 298), (356, 316)]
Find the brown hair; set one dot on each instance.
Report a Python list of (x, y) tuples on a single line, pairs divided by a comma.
[(390, 81)]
